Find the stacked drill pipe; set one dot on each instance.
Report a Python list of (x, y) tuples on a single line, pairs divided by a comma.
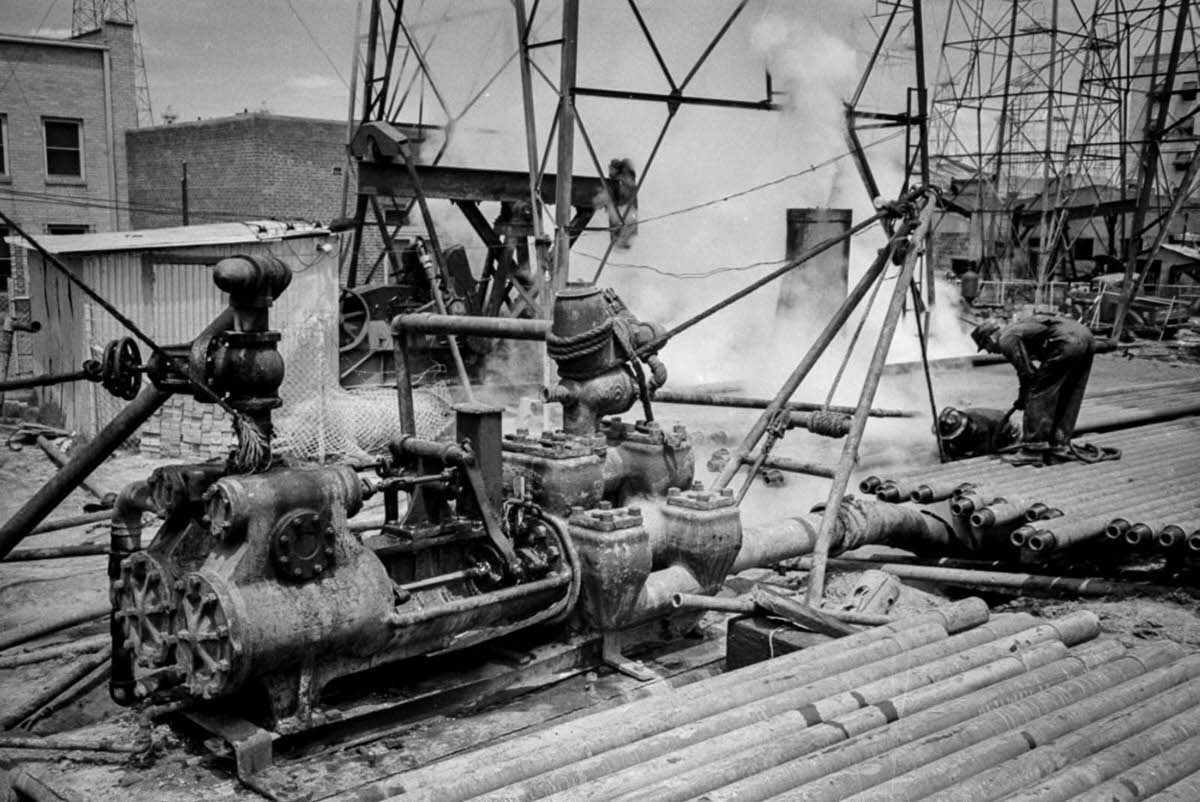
[(1149, 499), (1046, 712), (944, 684), (1008, 709)]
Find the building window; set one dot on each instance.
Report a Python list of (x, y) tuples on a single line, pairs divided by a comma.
[(60, 229), (64, 148), (6, 260), (3, 144)]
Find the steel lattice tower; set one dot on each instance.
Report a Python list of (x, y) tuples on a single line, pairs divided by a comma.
[(89, 15), (1055, 104)]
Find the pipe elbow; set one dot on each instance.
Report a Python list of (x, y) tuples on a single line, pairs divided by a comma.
[(399, 324), (133, 500)]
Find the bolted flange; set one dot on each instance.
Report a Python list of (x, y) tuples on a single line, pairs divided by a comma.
[(143, 601), (303, 545), (206, 650)]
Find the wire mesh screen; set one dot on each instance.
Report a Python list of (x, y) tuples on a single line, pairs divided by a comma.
[(174, 298), (321, 420)]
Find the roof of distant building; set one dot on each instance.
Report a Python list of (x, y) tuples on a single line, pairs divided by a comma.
[(46, 41), (1182, 250)]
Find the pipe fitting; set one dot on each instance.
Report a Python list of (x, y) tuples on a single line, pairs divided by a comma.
[(125, 539), (253, 282), (1020, 536), (1139, 534), (889, 492), (557, 394), (1171, 536)]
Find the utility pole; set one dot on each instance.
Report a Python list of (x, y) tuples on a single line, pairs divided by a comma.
[(183, 191)]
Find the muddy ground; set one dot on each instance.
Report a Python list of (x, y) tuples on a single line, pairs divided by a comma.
[(31, 591)]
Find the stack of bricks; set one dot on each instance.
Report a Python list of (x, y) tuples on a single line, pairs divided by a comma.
[(186, 428)]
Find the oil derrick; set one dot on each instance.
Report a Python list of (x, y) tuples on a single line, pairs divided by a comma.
[(89, 15), (1039, 115), (402, 125)]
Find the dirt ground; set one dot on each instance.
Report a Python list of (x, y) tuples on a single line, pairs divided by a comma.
[(30, 591)]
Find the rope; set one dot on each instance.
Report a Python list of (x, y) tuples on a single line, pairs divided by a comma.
[(579, 345), (1089, 453), (829, 424)]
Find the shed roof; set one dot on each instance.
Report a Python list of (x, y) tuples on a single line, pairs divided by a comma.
[(1185, 251), (174, 237)]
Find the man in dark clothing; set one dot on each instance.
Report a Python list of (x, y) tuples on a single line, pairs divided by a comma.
[(975, 431), (1052, 390)]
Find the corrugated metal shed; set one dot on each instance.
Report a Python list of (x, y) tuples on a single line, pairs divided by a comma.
[(162, 280)]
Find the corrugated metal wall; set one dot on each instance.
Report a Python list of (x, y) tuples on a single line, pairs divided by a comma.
[(172, 301)]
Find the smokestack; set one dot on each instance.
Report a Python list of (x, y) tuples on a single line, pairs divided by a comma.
[(822, 282)]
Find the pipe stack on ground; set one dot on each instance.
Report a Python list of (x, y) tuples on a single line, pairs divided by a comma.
[(1147, 499), (1122, 407), (917, 707)]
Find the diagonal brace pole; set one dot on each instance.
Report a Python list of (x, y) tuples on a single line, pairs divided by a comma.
[(858, 423), (824, 339)]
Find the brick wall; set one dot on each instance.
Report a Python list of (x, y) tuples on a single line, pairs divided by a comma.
[(250, 166), (58, 78)]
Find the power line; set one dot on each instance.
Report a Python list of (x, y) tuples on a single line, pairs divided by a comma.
[(12, 73), (812, 168), (312, 37)]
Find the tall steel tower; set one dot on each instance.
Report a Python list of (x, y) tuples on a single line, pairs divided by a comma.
[(88, 15)]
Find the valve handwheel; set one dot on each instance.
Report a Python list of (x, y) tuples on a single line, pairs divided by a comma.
[(122, 368), (353, 315)]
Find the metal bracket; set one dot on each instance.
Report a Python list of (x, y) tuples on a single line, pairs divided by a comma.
[(610, 653), (252, 745), (491, 523)]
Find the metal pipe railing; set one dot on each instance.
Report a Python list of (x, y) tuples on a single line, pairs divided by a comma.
[(1000, 580), (664, 396), (507, 328)]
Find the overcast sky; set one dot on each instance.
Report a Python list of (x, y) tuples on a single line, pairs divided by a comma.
[(211, 58), (736, 170)]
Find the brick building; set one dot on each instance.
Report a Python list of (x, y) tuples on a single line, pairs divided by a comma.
[(251, 165), (64, 107)]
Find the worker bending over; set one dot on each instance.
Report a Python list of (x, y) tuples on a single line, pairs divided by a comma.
[(1052, 389)]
